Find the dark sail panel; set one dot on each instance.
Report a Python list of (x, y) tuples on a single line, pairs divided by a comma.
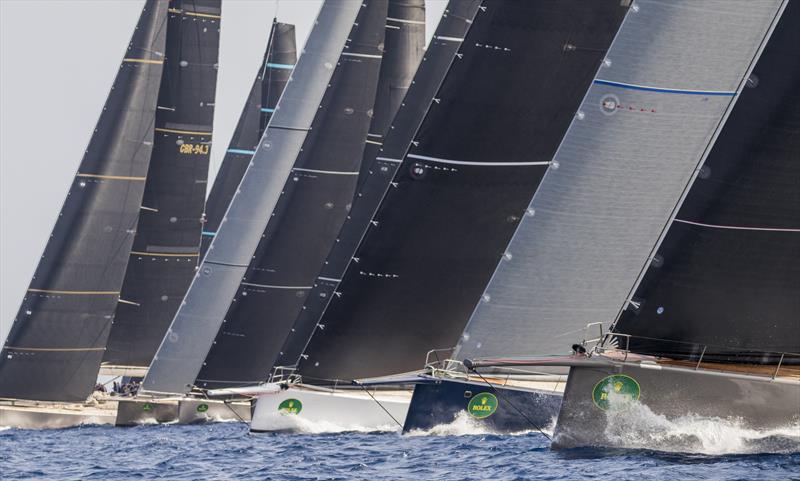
[(279, 60), (56, 342), (303, 225), (166, 247), (725, 282), (460, 192), (403, 49), (383, 164)]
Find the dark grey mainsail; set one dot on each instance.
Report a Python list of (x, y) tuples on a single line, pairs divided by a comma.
[(463, 186), (56, 342), (647, 123), (261, 191), (304, 224), (725, 282), (166, 246), (382, 168), (279, 59)]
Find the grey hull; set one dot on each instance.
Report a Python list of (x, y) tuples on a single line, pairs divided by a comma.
[(135, 412), (672, 406), (43, 417)]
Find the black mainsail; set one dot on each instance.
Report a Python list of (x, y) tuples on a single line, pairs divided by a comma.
[(58, 337), (167, 242), (279, 59), (307, 117), (316, 199), (725, 282), (382, 166), (462, 188)]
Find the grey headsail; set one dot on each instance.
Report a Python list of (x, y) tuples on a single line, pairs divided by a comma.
[(167, 243), (56, 342), (305, 221), (464, 185), (279, 59), (725, 282), (276, 163), (652, 114), (382, 166)]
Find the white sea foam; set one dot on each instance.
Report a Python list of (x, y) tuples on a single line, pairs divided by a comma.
[(466, 425), (302, 425), (631, 424)]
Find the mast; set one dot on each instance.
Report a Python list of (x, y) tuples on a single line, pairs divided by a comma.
[(427, 80), (300, 171), (644, 128), (404, 42), (725, 282), (166, 246), (463, 186), (56, 342), (305, 221), (279, 59)]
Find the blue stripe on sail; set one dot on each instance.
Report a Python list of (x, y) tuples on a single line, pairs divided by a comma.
[(209, 234), (285, 66), (264, 109), (723, 93), (241, 151)]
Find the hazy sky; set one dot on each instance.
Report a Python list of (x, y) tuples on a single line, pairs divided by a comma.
[(58, 59)]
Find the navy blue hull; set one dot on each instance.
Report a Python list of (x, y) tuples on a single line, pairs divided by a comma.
[(441, 401)]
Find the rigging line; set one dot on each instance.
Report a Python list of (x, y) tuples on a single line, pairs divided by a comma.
[(736, 227), (511, 404), (377, 402)]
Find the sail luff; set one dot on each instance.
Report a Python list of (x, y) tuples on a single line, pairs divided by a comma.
[(202, 312), (166, 246), (644, 128), (306, 220), (58, 337), (268, 85)]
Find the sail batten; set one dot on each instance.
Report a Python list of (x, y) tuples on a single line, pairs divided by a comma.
[(58, 337)]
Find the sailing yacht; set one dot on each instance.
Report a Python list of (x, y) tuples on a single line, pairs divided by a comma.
[(273, 74), (680, 262), (51, 357)]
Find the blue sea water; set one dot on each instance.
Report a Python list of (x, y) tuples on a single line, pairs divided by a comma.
[(228, 451)]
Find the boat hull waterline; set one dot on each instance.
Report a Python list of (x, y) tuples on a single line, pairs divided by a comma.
[(644, 405), (304, 410)]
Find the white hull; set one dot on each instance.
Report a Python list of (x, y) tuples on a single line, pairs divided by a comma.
[(44, 415), (329, 411)]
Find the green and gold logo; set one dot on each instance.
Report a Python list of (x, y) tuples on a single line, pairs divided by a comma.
[(290, 406), (147, 407), (201, 408), (482, 405), (617, 389)]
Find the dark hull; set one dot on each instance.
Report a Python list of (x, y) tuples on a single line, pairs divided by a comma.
[(135, 412), (442, 401), (671, 397)]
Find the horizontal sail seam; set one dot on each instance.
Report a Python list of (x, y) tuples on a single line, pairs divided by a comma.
[(387, 159), (76, 293), (267, 286), (164, 254), (487, 164), (143, 60), (645, 88), (451, 39), (735, 227), (193, 14), (283, 66), (241, 151), (54, 349), (112, 177), (186, 132), (332, 172), (402, 20), (362, 55)]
